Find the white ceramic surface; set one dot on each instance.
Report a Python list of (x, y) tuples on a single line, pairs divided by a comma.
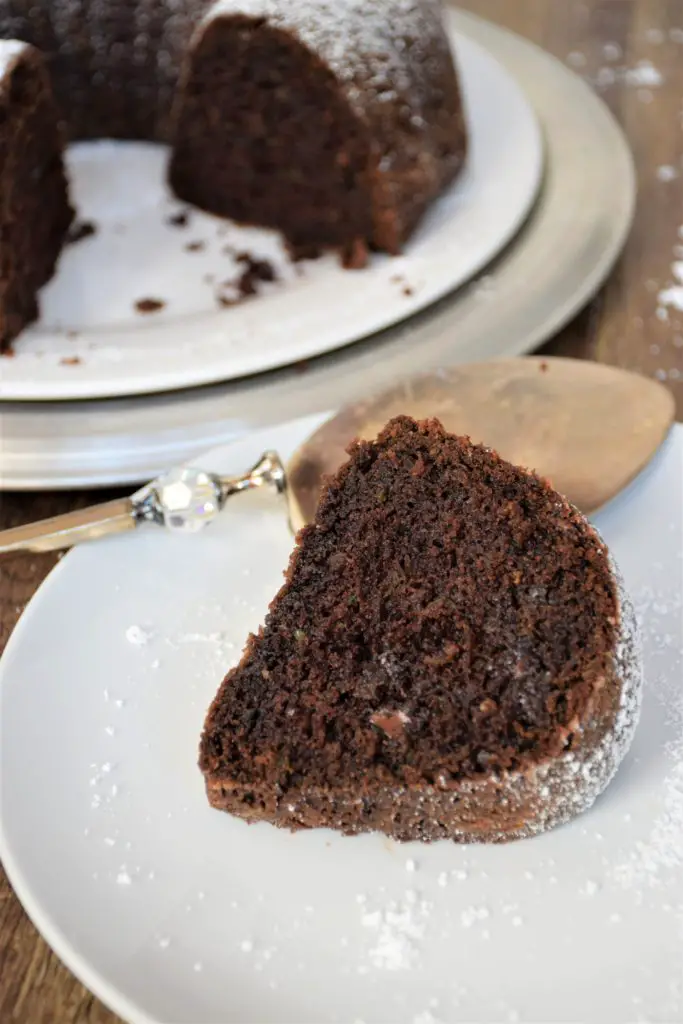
[(173, 912), (92, 342)]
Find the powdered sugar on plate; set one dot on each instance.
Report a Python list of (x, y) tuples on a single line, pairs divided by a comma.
[(398, 928), (137, 636), (660, 851)]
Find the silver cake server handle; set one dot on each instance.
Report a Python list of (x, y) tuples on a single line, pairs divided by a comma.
[(184, 500)]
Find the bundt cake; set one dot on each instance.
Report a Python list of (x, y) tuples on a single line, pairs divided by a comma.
[(452, 656), (334, 121), (34, 208)]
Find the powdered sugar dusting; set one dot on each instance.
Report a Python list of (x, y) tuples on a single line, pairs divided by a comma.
[(644, 74), (359, 41), (137, 636), (381, 54), (471, 915), (651, 858), (10, 51), (666, 173), (673, 294), (397, 930)]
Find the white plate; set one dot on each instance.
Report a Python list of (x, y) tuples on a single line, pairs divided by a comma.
[(173, 912), (88, 310)]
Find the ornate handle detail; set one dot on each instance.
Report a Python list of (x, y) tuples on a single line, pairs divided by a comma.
[(184, 500)]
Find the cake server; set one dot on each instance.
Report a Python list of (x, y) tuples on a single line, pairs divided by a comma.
[(586, 427)]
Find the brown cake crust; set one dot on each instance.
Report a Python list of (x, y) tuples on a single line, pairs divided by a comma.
[(35, 213), (452, 656)]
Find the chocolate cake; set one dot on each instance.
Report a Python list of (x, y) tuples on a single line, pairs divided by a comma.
[(452, 655), (335, 121), (34, 207)]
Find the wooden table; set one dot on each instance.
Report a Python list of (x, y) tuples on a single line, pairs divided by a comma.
[(600, 38)]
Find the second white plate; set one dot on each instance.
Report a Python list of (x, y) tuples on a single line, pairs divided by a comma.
[(93, 341), (173, 912)]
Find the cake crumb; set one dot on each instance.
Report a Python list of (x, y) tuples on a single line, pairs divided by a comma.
[(197, 246), (70, 361), (79, 230), (355, 255), (149, 305), (255, 271), (179, 220)]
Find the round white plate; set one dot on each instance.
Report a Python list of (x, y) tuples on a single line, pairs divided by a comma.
[(173, 912), (93, 342)]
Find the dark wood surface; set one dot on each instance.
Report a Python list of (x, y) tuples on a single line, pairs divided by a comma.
[(600, 38)]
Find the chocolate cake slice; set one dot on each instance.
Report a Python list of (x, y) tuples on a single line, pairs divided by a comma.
[(35, 214), (452, 655), (337, 122)]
